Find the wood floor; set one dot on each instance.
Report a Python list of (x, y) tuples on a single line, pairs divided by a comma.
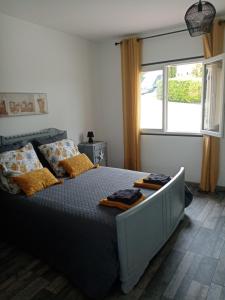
[(190, 266)]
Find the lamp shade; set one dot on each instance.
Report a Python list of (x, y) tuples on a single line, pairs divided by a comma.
[(90, 134), (199, 18)]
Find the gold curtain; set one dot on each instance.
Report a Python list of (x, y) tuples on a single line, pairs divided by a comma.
[(131, 70), (213, 45)]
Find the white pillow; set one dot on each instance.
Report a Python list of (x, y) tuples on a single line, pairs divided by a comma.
[(15, 163), (57, 151)]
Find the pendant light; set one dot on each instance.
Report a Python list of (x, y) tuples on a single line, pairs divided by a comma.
[(199, 18)]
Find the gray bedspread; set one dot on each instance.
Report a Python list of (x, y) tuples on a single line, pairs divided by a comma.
[(65, 226)]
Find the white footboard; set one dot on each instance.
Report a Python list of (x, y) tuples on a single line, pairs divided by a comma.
[(144, 229)]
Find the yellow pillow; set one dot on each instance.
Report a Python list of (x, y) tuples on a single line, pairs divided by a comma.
[(76, 165), (35, 181)]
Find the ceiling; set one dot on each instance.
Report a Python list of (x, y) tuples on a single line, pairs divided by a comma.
[(100, 19)]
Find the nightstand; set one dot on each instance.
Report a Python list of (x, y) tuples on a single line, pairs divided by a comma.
[(97, 152)]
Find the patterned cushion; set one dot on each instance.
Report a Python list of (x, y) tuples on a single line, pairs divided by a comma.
[(47, 140), (15, 163), (35, 181), (76, 165), (60, 150)]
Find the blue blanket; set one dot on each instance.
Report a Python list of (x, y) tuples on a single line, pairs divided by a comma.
[(65, 226)]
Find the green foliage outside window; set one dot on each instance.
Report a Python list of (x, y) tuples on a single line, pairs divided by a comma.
[(185, 91), (198, 71), (172, 71)]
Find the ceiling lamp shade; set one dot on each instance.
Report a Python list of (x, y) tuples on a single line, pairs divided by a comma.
[(199, 18)]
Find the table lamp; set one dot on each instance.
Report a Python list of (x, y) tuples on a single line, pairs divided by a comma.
[(90, 135)]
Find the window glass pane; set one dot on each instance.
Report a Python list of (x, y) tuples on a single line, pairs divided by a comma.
[(213, 96), (184, 98), (152, 99)]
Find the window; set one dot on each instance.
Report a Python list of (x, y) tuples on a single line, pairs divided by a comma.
[(185, 98), (152, 100), (213, 98)]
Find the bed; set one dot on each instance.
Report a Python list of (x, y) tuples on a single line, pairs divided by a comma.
[(93, 246)]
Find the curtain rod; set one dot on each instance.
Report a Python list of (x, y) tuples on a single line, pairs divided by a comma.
[(166, 33)]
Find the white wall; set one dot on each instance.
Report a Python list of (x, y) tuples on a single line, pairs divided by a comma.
[(108, 102), (37, 59), (158, 153)]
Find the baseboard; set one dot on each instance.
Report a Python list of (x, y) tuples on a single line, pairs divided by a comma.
[(195, 185)]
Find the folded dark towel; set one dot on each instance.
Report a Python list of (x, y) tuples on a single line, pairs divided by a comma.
[(157, 179), (128, 196), (162, 180)]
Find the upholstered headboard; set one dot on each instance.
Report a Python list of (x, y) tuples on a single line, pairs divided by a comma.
[(49, 132)]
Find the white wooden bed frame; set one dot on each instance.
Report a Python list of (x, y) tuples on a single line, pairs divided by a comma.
[(145, 228), (141, 230)]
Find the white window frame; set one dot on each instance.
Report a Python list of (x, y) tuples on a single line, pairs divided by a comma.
[(154, 68), (164, 130), (220, 133)]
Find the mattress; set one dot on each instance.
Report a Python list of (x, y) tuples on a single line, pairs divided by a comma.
[(64, 225)]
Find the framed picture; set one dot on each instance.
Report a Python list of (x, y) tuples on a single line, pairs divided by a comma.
[(23, 104)]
